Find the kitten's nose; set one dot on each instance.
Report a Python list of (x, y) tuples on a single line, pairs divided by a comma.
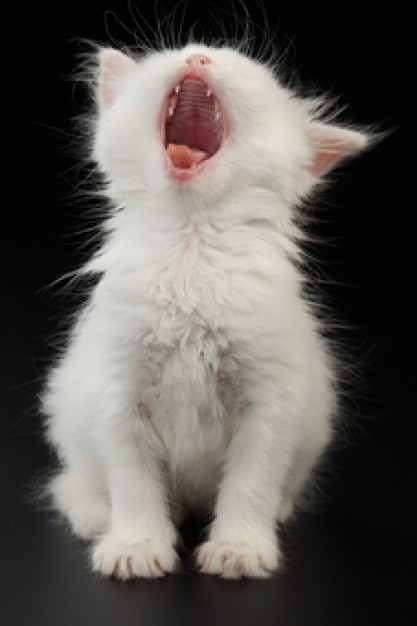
[(197, 59)]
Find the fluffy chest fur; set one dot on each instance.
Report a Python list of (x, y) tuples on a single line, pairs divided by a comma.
[(196, 287), (194, 298)]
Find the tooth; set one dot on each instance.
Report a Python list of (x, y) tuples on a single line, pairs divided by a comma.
[(217, 115), (177, 88), (170, 110), (209, 92)]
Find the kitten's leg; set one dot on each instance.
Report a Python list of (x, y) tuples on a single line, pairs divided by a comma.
[(83, 502), (296, 480), (140, 540), (78, 491), (243, 539), (315, 437)]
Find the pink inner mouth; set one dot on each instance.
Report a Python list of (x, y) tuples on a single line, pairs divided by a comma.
[(194, 128)]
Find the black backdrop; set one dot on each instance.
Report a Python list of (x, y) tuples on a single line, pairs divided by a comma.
[(367, 60)]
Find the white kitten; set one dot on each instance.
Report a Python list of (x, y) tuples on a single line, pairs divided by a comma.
[(197, 374)]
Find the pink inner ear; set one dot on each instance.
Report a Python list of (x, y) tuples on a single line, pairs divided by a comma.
[(114, 67), (332, 144)]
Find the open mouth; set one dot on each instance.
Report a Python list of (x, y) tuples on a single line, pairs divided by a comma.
[(194, 127)]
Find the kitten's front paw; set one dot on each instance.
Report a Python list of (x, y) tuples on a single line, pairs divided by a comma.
[(236, 559), (147, 558)]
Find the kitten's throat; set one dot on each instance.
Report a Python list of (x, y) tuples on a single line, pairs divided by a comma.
[(193, 127)]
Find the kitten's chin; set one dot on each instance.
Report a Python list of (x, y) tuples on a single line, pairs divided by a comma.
[(192, 128)]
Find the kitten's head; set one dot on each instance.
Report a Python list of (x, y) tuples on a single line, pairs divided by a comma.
[(201, 120)]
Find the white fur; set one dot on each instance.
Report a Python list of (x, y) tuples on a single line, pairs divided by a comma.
[(197, 374)]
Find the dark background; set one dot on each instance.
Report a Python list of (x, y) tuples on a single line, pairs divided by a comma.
[(352, 563)]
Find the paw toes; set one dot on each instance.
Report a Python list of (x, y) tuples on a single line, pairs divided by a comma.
[(237, 559), (142, 559)]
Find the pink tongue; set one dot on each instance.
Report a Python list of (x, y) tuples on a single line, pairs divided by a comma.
[(183, 156)]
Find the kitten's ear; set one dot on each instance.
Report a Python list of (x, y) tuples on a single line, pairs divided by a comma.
[(114, 67), (331, 144)]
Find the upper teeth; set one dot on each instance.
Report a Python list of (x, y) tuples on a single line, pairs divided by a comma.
[(178, 87), (173, 101)]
